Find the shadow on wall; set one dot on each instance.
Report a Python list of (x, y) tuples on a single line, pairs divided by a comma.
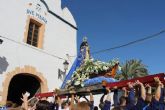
[(3, 64)]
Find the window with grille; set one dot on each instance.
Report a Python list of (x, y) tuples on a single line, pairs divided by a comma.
[(33, 33)]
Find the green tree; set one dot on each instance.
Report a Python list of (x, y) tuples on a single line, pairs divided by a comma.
[(131, 69)]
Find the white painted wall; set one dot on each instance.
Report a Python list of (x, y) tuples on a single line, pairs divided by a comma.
[(59, 38)]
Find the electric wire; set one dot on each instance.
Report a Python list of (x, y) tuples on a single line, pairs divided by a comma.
[(42, 51), (129, 43), (99, 51)]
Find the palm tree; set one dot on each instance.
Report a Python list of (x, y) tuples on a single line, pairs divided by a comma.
[(131, 69)]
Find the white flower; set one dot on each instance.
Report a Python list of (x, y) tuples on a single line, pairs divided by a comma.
[(92, 71), (92, 59), (68, 81), (82, 85), (77, 83), (83, 76), (105, 68), (79, 79), (119, 68)]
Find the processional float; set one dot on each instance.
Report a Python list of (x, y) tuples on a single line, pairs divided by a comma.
[(87, 73)]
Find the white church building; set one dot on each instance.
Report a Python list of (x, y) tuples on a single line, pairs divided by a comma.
[(36, 37)]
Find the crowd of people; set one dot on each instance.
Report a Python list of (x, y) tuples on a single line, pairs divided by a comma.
[(136, 96)]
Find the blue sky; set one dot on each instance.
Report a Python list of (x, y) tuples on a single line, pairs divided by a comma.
[(108, 23)]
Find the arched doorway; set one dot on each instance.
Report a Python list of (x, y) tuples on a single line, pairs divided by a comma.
[(21, 83), (29, 72)]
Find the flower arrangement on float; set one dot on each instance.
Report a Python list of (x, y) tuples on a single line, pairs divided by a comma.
[(90, 69)]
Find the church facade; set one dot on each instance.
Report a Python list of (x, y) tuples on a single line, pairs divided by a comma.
[(36, 37)]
